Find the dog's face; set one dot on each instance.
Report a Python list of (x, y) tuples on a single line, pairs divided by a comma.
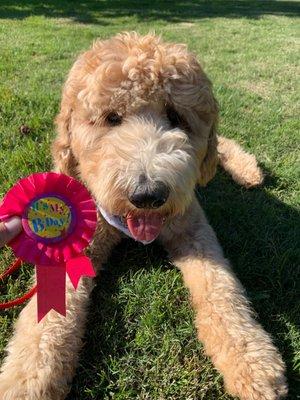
[(137, 125)]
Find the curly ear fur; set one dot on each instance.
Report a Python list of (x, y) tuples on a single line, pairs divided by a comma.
[(61, 151), (204, 128), (64, 160), (190, 92), (209, 164), (207, 112), (201, 114)]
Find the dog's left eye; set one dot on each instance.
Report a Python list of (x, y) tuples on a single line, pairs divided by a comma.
[(113, 119), (173, 117)]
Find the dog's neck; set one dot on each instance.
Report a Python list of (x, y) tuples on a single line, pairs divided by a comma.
[(117, 222)]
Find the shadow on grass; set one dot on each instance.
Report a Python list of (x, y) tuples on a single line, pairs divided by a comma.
[(98, 11), (259, 234), (106, 325)]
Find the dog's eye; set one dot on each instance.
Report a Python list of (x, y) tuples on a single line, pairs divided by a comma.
[(113, 119), (173, 117)]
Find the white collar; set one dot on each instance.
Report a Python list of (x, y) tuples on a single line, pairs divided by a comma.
[(117, 222)]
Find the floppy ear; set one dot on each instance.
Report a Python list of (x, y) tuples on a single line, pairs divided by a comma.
[(206, 128), (202, 118), (190, 92), (62, 154), (64, 160), (208, 166)]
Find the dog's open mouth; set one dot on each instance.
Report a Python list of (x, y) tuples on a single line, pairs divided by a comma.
[(141, 226), (145, 227)]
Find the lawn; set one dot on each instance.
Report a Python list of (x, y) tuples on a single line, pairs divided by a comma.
[(140, 341)]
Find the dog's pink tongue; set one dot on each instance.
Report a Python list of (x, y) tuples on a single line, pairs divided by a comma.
[(145, 227)]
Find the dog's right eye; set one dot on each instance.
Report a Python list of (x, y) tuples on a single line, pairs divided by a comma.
[(113, 119)]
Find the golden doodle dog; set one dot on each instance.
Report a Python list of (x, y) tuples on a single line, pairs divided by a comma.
[(138, 125)]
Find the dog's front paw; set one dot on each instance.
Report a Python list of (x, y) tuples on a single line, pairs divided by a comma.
[(24, 386), (258, 376)]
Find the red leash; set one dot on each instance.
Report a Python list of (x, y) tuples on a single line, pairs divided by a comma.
[(14, 266)]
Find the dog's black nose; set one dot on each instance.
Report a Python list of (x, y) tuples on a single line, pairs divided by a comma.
[(149, 196)]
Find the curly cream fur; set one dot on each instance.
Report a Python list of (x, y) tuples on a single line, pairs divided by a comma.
[(241, 165), (138, 77)]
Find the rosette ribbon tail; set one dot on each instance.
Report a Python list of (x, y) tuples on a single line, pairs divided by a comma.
[(51, 283), (51, 289), (78, 267)]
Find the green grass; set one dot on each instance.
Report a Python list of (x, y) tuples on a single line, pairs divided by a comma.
[(140, 342)]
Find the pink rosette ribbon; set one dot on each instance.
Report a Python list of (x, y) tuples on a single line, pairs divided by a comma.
[(59, 219)]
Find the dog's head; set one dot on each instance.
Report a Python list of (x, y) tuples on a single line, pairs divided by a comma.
[(138, 125)]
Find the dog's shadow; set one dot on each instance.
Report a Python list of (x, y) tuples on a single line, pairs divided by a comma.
[(259, 234)]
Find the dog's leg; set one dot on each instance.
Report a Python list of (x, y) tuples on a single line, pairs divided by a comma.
[(242, 166), (239, 347), (42, 357)]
